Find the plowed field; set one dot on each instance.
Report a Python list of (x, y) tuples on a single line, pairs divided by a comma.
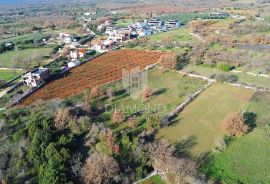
[(101, 70)]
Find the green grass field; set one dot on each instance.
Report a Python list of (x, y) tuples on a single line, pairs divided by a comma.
[(57, 31), (154, 180), (201, 120), (242, 77), (123, 22), (246, 160), (171, 89), (181, 35), (7, 58), (260, 105), (9, 74)]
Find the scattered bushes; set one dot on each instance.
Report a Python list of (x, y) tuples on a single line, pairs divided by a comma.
[(225, 78), (168, 61)]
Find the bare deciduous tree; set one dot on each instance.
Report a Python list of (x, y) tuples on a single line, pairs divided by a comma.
[(168, 61), (235, 125), (110, 141), (132, 123), (100, 169), (96, 92), (62, 117), (110, 93), (117, 116), (66, 51), (147, 93), (168, 165)]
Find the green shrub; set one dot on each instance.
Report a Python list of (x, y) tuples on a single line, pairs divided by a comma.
[(225, 78), (225, 67), (16, 137)]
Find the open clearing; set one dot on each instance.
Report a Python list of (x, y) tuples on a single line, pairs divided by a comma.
[(181, 34), (9, 74), (242, 77), (154, 180), (260, 105), (123, 22), (246, 160), (170, 89), (7, 58), (200, 122)]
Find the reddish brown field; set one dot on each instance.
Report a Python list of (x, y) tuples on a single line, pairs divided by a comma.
[(101, 70)]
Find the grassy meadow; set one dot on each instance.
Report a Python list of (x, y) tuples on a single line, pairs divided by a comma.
[(9, 74), (200, 122), (242, 77), (260, 105), (154, 180), (169, 90), (246, 160), (181, 34), (7, 59), (123, 22)]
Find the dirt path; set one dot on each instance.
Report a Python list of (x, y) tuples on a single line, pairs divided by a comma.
[(197, 36)]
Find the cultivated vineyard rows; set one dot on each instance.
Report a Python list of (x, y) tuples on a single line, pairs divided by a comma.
[(101, 70)]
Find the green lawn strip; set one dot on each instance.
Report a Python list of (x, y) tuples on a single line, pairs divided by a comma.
[(123, 22), (201, 120), (181, 34), (9, 74), (260, 105), (242, 77), (7, 58), (154, 180), (246, 160), (57, 31)]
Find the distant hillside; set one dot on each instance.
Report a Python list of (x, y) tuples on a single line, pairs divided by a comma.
[(29, 1)]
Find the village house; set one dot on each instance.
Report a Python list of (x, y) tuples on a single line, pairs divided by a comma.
[(37, 77), (172, 24), (66, 38), (142, 32), (219, 15), (74, 63), (122, 34), (155, 23), (104, 46), (141, 24), (77, 53), (104, 25)]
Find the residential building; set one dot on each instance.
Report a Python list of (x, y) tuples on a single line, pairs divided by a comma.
[(77, 53), (37, 77), (104, 46), (66, 38), (219, 15), (155, 22), (74, 63), (142, 32), (141, 24), (172, 24)]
